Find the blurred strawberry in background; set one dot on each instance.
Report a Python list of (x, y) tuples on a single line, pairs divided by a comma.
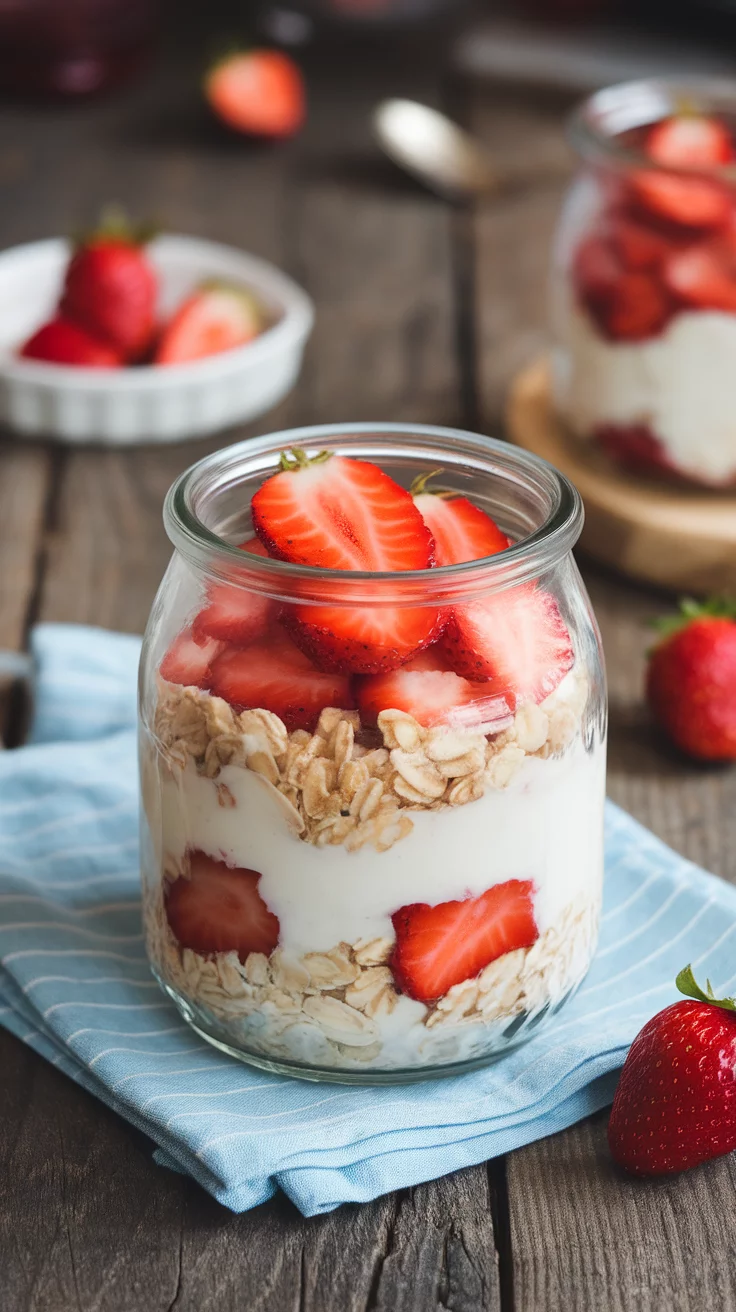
[(257, 92)]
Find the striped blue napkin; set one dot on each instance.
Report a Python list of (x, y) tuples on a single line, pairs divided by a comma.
[(75, 986)]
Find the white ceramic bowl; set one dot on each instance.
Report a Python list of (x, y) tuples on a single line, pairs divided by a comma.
[(147, 403)]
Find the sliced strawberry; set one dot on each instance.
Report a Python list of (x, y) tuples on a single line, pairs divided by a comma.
[(188, 660), (439, 946), (218, 908), (367, 641), (461, 531), (340, 513), (276, 675), (234, 614), (596, 271), (640, 248), (215, 318), (689, 202), (517, 639), (345, 514), (635, 447), (690, 141), (638, 308), (430, 691), (704, 276), (258, 92)]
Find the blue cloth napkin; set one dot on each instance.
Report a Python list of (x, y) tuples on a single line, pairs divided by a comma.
[(75, 985)]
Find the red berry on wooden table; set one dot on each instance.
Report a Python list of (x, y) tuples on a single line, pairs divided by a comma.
[(691, 680), (110, 287), (675, 1105), (257, 92)]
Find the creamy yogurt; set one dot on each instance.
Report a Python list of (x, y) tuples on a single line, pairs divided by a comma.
[(679, 384), (545, 826)]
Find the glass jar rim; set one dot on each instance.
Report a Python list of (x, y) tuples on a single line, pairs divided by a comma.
[(595, 125), (531, 556)]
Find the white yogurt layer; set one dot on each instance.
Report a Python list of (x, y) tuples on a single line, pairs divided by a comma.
[(546, 827), (679, 384)]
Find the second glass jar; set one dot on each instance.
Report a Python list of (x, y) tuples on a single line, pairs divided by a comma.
[(644, 281)]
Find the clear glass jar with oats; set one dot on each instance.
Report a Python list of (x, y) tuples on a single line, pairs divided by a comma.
[(373, 723)]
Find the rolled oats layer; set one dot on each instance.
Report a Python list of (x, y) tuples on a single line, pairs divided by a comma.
[(340, 1007), (340, 788), (344, 828)]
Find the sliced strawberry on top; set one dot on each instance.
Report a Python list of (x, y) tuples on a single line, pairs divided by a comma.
[(366, 641), (340, 513), (437, 947), (689, 202), (189, 659), (218, 909), (461, 531), (516, 638), (215, 318), (276, 675), (704, 275), (690, 141), (344, 514), (430, 691), (234, 614)]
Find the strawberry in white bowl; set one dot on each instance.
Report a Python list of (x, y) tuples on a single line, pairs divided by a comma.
[(129, 340)]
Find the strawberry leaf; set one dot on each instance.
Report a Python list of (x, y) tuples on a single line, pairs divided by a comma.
[(300, 460), (722, 608), (419, 486), (688, 985)]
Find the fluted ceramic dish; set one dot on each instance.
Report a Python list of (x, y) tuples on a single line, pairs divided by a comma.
[(147, 403)]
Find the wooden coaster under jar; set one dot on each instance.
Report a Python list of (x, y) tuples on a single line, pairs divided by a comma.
[(675, 537)]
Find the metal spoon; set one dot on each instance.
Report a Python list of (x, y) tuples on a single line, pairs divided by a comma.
[(434, 149)]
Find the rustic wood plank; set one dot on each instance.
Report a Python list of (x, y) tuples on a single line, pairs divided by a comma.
[(587, 1236), (24, 483), (582, 1235)]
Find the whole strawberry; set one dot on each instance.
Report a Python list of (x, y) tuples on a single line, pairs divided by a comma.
[(110, 287), (675, 1104), (691, 680)]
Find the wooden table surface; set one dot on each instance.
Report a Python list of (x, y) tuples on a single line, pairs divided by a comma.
[(423, 314)]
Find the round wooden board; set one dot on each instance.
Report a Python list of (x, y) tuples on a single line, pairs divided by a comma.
[(676, 538)]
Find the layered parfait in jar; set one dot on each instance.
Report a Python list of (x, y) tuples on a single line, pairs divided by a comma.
[(372, 752), (644, 281)]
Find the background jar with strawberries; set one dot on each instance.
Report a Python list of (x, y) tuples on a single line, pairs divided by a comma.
[(644, 280), (373, 723)]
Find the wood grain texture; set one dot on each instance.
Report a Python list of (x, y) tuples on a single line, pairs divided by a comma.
[(587, 1238), (93, 1226), (25, 472)]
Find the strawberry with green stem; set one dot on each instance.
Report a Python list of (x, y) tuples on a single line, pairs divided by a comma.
[(691, 679), (675, 1105), (110, 285)]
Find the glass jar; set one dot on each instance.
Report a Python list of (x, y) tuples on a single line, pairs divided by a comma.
[(350, 835), (644, 287)]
